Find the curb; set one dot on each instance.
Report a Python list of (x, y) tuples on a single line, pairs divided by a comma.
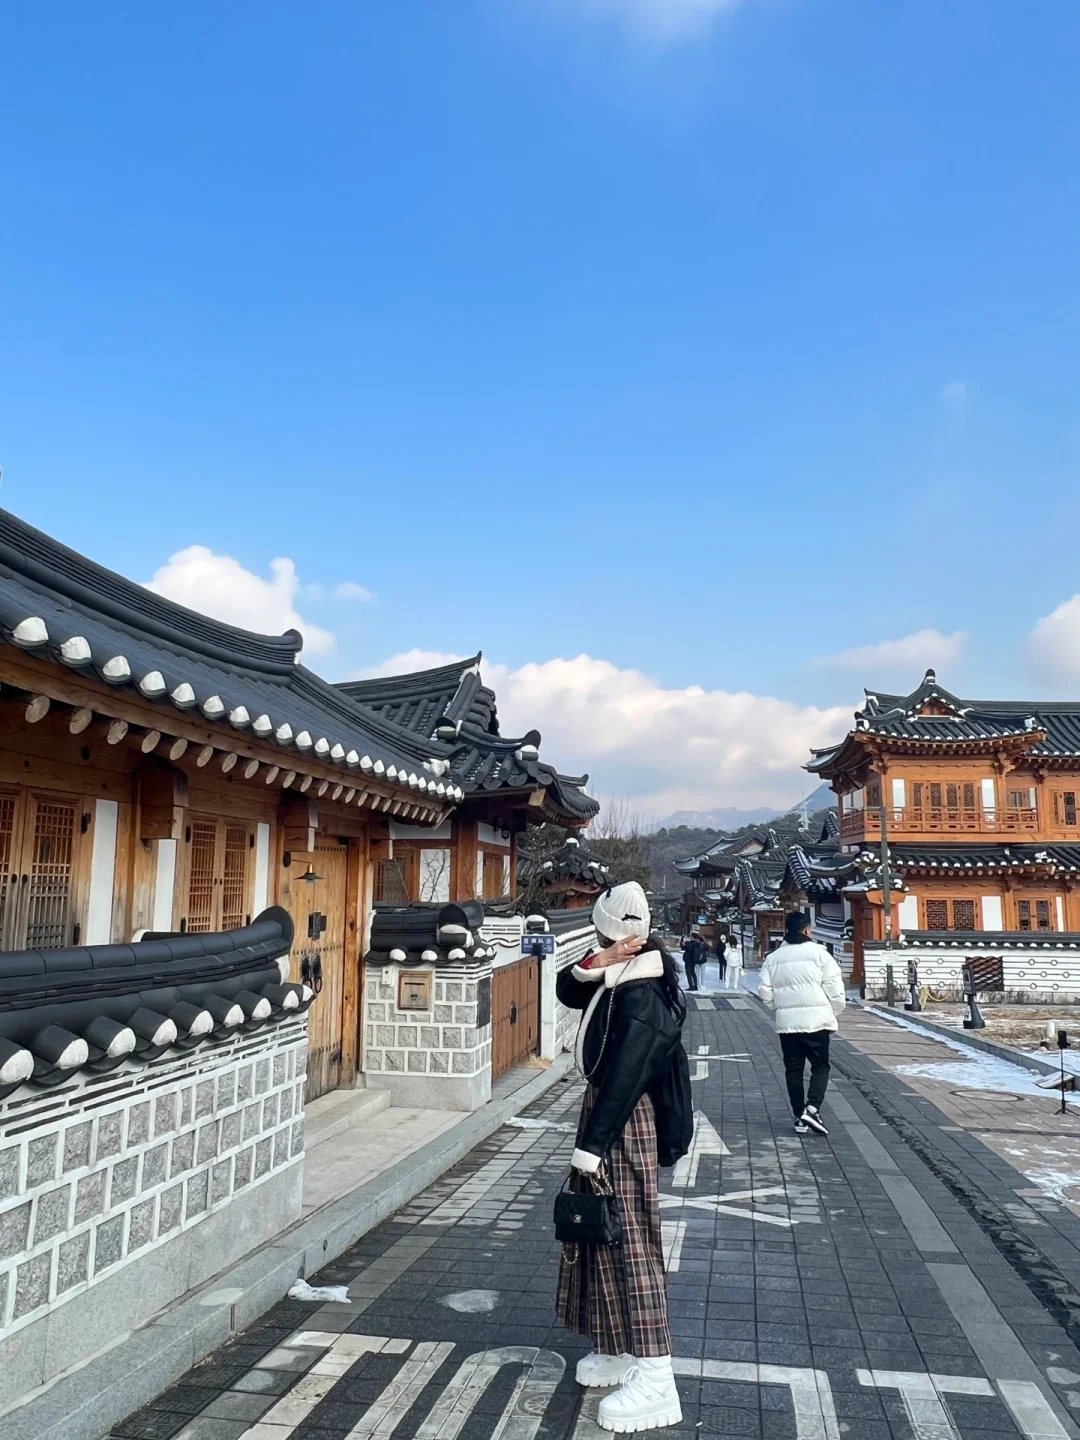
[(85, 1403)]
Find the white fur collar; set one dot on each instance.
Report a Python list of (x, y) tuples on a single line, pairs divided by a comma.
[(649, 965)]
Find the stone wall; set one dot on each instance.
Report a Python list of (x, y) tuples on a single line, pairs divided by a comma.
[(118, 1193), (435, 1059)]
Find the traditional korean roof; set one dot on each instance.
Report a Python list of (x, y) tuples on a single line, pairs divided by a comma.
[(572, 862), (436, 934), (432, 702), (985, 940), (955, 858), (58, 605), (723, 855), (455, 713), (94, 1008), (933, 716)]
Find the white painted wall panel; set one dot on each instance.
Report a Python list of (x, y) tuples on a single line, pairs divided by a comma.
[(909, 912), (260, 898), (102, 874), (991, 913), (164, 885), (898, 794)]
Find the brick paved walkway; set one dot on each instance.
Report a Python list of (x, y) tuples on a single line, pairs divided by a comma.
[(820, 1288)]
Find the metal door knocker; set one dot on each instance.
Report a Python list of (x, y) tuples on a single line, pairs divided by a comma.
[(311, 970), (513, 1013)]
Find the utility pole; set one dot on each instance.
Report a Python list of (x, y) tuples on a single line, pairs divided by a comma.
[(886, 897)]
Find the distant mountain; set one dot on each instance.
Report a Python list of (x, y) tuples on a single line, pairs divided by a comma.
[(728, 817), (725, 817)]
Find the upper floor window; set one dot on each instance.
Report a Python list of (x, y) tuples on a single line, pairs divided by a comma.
[(950, 914), (873, 794), (1034, 915), (1065, 807)]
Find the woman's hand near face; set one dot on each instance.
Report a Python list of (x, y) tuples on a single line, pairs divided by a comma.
[(617, 954)]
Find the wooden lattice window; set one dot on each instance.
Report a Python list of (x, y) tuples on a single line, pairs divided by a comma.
[(200, 910), (234, 887), (937, 914), (963, 916), (218, 876), (1034, 915), (950, 914), (48, 901), (873, 794), (395, 880), (1065, 807), (935, 796)]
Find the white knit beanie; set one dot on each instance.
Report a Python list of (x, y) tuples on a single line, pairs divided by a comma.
[(622, 911)]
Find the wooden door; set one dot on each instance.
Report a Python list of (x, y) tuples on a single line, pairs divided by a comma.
[(515, 1015), (494, 876), (318, 957), (40, 855)]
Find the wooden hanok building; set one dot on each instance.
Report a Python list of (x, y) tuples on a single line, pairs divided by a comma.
[(981, 805), (571, 878), (162, 771), (504, 786), (713, 894)]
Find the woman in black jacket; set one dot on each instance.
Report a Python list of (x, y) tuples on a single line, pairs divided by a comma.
[(637, 1114)]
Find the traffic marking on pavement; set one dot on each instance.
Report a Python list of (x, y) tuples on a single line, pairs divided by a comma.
[(704, 1054), (673, 1233), (811, 1393), (520, 1419), (706, 1141), (922, 1397), (721, 1205)]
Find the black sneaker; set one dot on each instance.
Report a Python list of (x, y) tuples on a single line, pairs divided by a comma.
[(812, 1120), (801, 1129)]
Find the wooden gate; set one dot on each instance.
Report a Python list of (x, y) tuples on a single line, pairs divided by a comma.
[(515, 1015), (318, 952)]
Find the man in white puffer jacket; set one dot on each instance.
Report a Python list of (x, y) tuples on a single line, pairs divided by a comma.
[(801, 983)]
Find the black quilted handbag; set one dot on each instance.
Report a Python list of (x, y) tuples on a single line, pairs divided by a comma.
[(589, 1216)]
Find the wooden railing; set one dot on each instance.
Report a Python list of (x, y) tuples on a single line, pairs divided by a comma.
[(940, 820)]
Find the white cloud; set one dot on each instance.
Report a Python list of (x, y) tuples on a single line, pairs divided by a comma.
[(350, 590), (923, 649), (663, 749), (1053, 647), (219, 586), (407, 661)]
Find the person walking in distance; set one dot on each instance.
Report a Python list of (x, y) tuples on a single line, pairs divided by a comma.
[(801, 984), (694, 953), (721, 956), (732, 955), (637, 1115), (732, 965)]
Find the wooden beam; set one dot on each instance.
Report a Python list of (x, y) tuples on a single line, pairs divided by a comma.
[(163, 798)]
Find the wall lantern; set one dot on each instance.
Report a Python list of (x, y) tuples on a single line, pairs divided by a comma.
[(309, 877)]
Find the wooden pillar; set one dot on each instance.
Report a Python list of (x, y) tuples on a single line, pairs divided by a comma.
[(463, 848)]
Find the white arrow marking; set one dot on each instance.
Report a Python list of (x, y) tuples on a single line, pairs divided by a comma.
[(706, 1141), (720, 1205), (673, 1233)]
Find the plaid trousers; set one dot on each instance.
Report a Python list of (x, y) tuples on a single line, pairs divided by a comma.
[(616, 1295)]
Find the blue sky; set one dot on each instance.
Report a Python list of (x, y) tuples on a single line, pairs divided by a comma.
[(704, 340)]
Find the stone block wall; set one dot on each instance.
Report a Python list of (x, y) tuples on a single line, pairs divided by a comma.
[(437, 1059), (102, 1176)]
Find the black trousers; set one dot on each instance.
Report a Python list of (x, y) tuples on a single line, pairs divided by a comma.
[(797, 1050), (690, 966)]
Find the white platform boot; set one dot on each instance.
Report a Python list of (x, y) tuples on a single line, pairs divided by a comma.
[(646, 1400), (603, 1372)]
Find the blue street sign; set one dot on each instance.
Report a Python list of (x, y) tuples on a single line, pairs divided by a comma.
[(530, 944)]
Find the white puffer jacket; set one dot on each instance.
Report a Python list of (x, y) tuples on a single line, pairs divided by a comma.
[(803, 985)]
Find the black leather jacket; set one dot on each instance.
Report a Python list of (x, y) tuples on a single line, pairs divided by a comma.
[(643, 1054)]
